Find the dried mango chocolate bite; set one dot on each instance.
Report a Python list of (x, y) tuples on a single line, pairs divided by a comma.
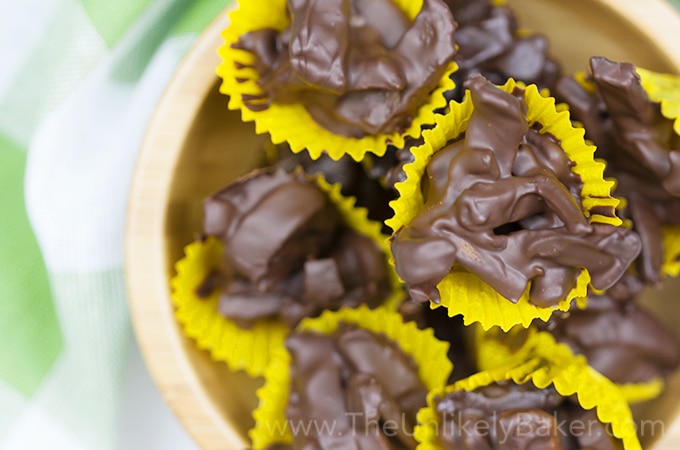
[(277, 247), (642, 151), (505, 202), (619, 339), (287, 252), (542, 397), (506, 415), (341, 76), (490, 43), (341, 379), (352, 378)]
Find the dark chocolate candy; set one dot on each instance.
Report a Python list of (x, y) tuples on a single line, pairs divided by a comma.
[(360, 67), (287, 252), (640, 147), (520, 417), (620, 340), (356, 383), (503, 203)]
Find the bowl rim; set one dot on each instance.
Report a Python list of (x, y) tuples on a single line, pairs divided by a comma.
[(145, 254)]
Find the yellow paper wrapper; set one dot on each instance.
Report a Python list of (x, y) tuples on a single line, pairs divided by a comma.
[(429, 354), (250, 349), (291, 122), (239, 348), (544, 363), (671, 250), (461, 291), (665, 89), (495, 348)]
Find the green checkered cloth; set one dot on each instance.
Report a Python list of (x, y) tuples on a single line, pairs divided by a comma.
[(78, 82)]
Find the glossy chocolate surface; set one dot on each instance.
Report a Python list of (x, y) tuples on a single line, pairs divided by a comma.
[(360, 384), (360, 67), (287, 253), (519, 417), (641, 150), (503, 203)]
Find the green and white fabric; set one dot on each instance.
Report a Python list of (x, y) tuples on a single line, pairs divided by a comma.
[(78, 82)]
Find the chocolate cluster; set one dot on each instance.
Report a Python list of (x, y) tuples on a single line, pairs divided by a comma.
[(641, 149), (490, 44), (506, 415), (503, 203), (360, 67), (619, 338), (287, 252), (341, 381)]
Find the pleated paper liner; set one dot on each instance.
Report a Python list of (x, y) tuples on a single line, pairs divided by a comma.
[(291, 122), (671, 250), (245, 349), (664, 89), (434, 368), (249, 349), (461, 291), (544, 363), (495, 348)]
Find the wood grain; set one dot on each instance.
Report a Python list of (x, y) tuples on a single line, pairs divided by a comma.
[(194, 145)]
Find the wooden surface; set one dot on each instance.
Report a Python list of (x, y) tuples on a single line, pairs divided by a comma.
[(194, 146)]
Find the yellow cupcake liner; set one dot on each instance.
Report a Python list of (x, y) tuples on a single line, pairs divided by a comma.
[(241, 349), (494, 349), (665, 89), (434, 368), (544, 363), (291, 122), (671, 250), (249, 349), (461, 291)]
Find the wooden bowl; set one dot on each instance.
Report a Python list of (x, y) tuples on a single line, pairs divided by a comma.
[(194, 145)]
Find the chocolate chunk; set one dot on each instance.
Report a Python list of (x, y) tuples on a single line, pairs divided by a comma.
[(287, 253), (503, 203), (360, 67), (322, 281)]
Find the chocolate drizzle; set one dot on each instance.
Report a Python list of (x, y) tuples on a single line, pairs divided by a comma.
[(360, 67), (287, 253), (342, 381), (521, 417), (503, 203), (640, 147)]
